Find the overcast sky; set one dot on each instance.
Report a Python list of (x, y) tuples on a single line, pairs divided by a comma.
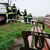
[(36, 7)]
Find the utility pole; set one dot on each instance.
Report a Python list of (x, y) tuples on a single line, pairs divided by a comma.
[(9, 2)]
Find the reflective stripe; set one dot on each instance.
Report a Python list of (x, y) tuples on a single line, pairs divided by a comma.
[(14, 8), (11, 13), (9, 8)]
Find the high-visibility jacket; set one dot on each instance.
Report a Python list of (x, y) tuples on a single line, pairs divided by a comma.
[(14, 9), (9, 11)]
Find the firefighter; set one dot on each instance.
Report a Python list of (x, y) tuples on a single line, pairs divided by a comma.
[(18, 14), (9, 12), (25, 15), (14, 10)]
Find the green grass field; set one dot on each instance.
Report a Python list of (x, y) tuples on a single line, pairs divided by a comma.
[(47, 30), (11, 31)]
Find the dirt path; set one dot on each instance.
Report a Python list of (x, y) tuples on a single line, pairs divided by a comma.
[(18, 43)]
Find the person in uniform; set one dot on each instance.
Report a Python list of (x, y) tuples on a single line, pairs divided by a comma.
[(14, 10), (18, 14), (25, 15), (9, 12)]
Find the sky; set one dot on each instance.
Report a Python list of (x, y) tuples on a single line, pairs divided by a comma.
[(36, 7)]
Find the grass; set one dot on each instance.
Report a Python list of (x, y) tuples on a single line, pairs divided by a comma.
[(11, 31), (47, 30)]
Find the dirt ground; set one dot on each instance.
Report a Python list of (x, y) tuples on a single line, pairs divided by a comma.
[(18, 43)]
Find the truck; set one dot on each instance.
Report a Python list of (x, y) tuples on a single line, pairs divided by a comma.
[(3, 11), (4, 4)]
